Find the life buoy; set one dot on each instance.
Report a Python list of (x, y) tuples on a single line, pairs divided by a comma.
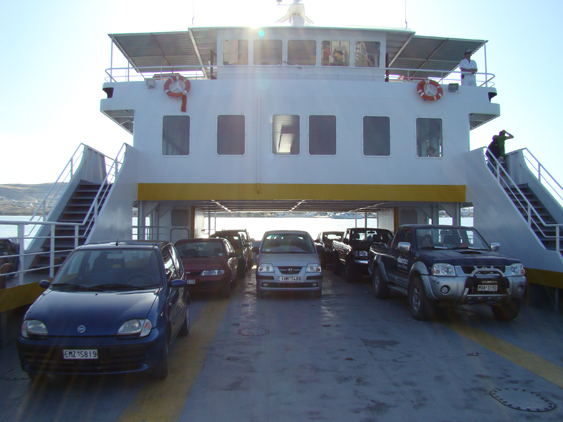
[(429, 90), (177, 86)]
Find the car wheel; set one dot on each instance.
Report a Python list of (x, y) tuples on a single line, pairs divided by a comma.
[(351, 275), (226, 292), (160, 370), (506, 311), (185, 328), (422, 308), (380, 287), (336, 266), (259, 291), (318, 293)]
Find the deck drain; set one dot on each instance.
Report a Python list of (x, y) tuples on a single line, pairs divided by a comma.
[(253, 331), (525, 400), (14, 374)]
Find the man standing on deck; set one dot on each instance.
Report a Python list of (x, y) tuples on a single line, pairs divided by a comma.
[(468, 70)]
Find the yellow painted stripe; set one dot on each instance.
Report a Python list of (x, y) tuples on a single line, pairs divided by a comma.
[(14, 297), (537, 365), (164, 400), (544, 277), (327, 192)]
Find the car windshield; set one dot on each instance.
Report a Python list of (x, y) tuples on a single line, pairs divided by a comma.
[(201, 249), (380, 236), (450, 238), (332, 236), (110, 269), (288, 243)]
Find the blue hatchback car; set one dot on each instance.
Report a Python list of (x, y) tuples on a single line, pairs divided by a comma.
[(112, 308)]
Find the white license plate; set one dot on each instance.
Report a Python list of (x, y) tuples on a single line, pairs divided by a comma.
[(487, 288), (290, 278), (190, 281), (80, 354)]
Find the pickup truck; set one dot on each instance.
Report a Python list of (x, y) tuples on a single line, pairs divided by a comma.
[(447, 265), (351, 253), (324, 245)]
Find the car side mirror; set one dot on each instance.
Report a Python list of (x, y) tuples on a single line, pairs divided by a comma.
[(256, 249), (404, 246), (177, 283), (345, 241), (495, 247), (44, 284)]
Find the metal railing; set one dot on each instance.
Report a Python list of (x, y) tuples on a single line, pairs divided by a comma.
[(543, 176), (128, 74), (529, 212), (27, 229)]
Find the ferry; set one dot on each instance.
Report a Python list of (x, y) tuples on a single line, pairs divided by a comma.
[(296, 117)]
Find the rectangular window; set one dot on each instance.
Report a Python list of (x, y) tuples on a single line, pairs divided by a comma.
[(322, 135), (268, 52), (429, 137), (301, 52), (176, 135), (285, 135), (235, 52), (367, 54), (377, 136), (230, 135), (335, 53)]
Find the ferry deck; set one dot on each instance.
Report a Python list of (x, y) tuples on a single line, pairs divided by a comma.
[(266, 123)]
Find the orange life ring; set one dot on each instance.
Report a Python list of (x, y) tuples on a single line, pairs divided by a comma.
[(177, 86), (429, 90)]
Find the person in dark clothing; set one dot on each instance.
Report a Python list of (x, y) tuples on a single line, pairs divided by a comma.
[(496, 147)]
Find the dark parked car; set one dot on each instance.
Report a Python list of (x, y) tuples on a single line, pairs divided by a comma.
[(243, 246), (324, 246), (112, 308), (210, 264)]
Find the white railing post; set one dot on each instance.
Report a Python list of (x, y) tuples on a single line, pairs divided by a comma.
[(52, 252), (558, 238), (21, 241), (76, 233)]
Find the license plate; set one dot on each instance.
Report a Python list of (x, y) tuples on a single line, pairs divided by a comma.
[(487, 288), (80, 354), (190, 281), (290, 278)]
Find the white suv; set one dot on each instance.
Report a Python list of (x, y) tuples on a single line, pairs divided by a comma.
[(288, 261)]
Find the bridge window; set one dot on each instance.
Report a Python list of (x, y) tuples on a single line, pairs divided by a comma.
[(268, 52), (301, 52), (429, 137), (377, 136), (335, 53), (230, 135), (176, 135), (367, 54), (235, 52), (322, 135), (285, 135)]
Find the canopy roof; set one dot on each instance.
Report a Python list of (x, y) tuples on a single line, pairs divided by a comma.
[(197, 47)]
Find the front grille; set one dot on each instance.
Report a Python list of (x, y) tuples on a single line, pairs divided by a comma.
[(290, 270), (484, 270), (50, 359)]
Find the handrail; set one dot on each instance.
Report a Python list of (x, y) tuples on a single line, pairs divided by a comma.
[(195, 72), (528, 208), (542, 175)]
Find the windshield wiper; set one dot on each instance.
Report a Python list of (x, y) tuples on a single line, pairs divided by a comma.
[(76, 286), (111, 286)]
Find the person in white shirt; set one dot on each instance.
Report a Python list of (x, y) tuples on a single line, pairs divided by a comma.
[(468, 70)]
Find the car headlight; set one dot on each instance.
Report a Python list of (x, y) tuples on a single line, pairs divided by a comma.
[(33, 327), (265, 268), (362, 254), (443, 270), (517, 269), (213, 272), (141, 327), (313, 268)]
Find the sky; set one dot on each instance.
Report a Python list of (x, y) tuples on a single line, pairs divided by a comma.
[(54, 55)]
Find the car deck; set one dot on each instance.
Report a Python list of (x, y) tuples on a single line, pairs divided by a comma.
[(345, 356)]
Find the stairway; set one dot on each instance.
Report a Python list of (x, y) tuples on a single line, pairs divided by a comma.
[(75, 211), (544, 233)]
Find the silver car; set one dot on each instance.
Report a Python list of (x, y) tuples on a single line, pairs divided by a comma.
[(288, 261)]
